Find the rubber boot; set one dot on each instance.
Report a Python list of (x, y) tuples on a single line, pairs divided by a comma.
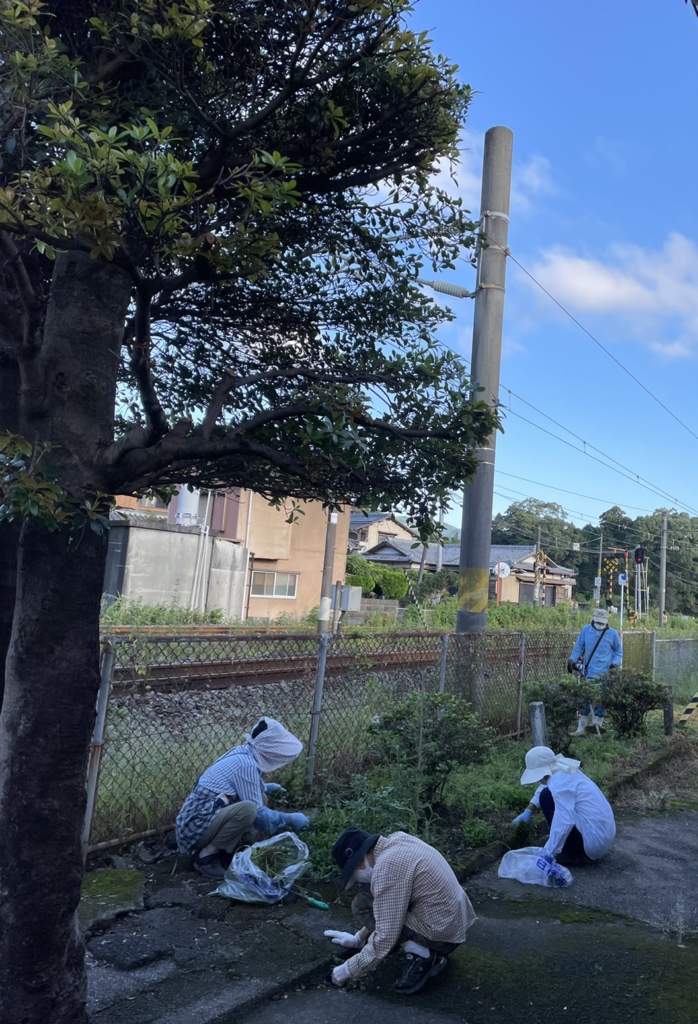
[(597, 722), (582, 723)]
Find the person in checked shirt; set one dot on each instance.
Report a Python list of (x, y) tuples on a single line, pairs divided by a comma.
[(415, 902)]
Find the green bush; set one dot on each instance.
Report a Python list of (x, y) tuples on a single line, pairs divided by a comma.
[(375, 808), (424, 737), (360, 573), (562, 701), (478, 832), (627, 699), (127, 612), (391, 583)]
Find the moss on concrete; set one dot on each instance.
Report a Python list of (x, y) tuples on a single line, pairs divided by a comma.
[(107, 893)]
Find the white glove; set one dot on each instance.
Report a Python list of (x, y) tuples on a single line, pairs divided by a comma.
[(340, 975), (345, 939)]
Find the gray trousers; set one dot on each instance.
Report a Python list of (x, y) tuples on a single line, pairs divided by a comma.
[(230, 827), (362, 910)]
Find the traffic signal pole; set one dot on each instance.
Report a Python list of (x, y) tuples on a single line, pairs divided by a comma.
[(473, 592)]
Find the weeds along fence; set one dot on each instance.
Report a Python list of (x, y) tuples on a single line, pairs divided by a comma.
[(169, 705)]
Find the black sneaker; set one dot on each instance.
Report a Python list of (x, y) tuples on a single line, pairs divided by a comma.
[(418, 970), (209, 867)]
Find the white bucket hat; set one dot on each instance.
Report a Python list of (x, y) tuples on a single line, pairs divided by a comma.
[(600, 617), (542, 761)]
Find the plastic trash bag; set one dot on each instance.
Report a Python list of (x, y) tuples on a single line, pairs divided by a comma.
[(266, 872), (523, 867)]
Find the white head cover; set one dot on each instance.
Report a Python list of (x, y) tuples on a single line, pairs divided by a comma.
[(274, 746), (599, 617), (542, 761)]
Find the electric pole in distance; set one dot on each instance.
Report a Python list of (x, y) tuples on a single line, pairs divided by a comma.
[(662, 568), (473, 593)]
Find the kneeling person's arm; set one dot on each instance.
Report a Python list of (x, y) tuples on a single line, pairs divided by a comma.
[(392, 893)]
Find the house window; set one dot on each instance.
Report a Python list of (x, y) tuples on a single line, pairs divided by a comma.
[(274, 584)]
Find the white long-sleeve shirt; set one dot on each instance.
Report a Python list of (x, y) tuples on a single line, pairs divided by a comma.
[(578, 803)]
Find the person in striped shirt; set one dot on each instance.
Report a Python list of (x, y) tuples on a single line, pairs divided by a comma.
[(414, 901), (228, 805)]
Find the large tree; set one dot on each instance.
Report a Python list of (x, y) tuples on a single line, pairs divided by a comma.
[(212, 219)]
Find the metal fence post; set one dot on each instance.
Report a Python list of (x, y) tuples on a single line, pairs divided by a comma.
[(653, 654), (97, 745), (324, 644), (669, 712), (443, 662), (522, 670), (538, 727)]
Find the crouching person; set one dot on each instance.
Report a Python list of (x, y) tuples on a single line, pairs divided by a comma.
[(415, 901), (582, 826), (228, 806)]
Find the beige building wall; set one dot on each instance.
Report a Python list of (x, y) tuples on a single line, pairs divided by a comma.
[(383, 529), (297, 548)]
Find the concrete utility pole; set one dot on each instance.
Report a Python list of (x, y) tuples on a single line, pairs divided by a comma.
[(662, 568), (486, 357), (599, 567), (536, 574), (324, 615)]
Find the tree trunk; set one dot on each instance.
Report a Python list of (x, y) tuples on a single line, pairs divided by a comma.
[(52, 669), (9, 532)]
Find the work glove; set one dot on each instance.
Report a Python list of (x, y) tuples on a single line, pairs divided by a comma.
[(571, 666), (297, 821), (345, 939), (274, 789), (340, 975), (523, 818), (557, 875)]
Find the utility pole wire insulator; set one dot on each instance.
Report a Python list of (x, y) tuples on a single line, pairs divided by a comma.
[(456, 290)]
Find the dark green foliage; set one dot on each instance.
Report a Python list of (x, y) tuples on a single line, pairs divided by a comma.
[(427, 736), (627, 699), (562, 701), (380, 580)]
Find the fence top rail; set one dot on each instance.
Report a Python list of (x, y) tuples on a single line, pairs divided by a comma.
[(164, 637)]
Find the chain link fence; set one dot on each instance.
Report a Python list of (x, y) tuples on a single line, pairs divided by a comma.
[(171, 705)]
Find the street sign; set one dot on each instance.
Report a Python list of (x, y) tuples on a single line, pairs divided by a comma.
[(622, 579), (597, 581), (502, 570)]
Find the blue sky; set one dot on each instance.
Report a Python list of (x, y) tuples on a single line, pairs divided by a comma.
[(601, 98)]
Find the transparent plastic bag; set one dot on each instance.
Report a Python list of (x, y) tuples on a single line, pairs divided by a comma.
[(266, 871), (522, 865)]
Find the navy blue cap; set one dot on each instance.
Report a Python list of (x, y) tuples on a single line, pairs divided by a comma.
[(350, 849)]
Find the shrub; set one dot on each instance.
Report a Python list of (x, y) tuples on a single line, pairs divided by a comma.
[(128, 612), (627, 699), (478, 832), (375, 808), (425, 737), (360, 573), (562, 701), (392, 583)]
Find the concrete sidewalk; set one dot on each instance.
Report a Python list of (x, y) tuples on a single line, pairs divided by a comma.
[(614, 948), (162, 950)]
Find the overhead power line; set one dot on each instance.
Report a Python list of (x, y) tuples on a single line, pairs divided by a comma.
[(604, 349), (577, 494)]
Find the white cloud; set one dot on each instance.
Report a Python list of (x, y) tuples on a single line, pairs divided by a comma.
[(531, 178), (653, 291)]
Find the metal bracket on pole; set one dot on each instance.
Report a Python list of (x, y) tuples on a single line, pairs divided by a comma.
[(97, 744), (325, 640)]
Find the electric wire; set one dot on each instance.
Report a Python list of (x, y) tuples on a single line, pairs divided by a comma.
[(604, 349)]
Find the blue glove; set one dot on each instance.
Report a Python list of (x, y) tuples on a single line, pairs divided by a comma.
[(270, 822), (298, 821), (522, 818), (557, 875), (273, 789)]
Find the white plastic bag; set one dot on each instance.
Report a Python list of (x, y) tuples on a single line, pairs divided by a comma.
[(248, 882), (522, 865)]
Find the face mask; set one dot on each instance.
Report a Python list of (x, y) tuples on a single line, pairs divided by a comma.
[(363, 875)]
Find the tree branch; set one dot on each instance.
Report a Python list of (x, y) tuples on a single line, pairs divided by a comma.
[(140, 367)]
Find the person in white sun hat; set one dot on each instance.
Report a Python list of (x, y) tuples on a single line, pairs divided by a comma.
[(597, 651), (582, 826)]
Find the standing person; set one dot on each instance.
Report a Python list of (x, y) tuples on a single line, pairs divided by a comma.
[(597, 651), (415, 901), (582, 826), (227, 806)]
